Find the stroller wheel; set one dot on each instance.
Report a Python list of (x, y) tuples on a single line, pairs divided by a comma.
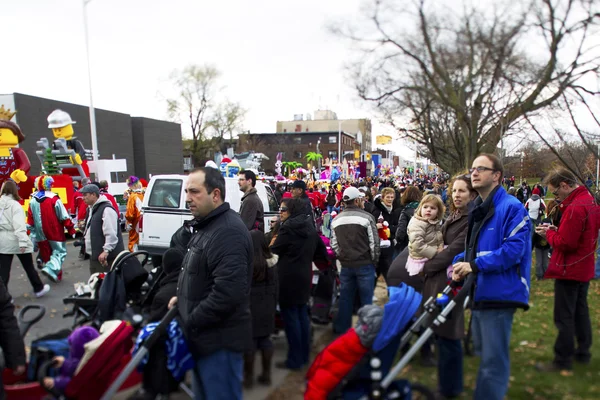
[(421, 392)]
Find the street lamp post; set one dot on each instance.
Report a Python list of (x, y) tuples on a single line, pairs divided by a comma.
[(339, 142), (91, 108)]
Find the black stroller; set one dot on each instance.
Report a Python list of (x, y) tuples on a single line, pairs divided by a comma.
[(368, 371), (122, 293)]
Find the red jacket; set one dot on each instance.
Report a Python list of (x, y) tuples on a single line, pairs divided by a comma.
[(574, 243), (333, 364)]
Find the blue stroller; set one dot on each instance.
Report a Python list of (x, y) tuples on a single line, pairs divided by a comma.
[(360, 363)]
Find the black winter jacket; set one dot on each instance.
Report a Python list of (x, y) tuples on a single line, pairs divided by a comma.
[(402, 230), (182, 236), (166, 290), (11, 341), (392, 219), (297, 245), (213, 291), (263, 302)]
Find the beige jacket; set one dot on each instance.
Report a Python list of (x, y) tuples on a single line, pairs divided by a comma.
[(424, 237)]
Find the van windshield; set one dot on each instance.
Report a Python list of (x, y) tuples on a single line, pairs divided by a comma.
[(166, 193)]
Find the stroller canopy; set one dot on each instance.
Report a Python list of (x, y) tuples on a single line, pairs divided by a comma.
[(398, 312)]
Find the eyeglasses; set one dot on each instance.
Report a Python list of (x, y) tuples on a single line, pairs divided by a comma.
[(283, 209), (481, 169), (555, 193), (273, 222)]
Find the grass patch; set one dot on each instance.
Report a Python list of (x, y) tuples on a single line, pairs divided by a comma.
[(532, 341)]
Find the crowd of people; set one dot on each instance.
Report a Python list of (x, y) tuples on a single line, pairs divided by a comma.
[(230, 277)]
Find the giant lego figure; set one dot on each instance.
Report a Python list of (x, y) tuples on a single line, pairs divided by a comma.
[(14, 163), (47, 219), (62, 127), (133, 214)]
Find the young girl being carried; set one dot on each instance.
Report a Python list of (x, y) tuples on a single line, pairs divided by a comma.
[(425, 238)]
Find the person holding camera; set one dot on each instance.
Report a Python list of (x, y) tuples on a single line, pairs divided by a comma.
[(571, 265), (102, 235)]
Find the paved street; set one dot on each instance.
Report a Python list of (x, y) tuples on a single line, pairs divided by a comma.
[(76, 270)]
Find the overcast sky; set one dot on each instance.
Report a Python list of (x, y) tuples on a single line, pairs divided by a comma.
[(276, 57)]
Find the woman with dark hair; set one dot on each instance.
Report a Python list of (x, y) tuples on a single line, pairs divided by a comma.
[(14, 239), (263, 301), (384, 207), (410, 201), (297, 245), (331, 199)]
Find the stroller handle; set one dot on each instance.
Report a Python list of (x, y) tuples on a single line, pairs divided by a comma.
[(130, 255), (141, 353), (44, 371), (26, 324)]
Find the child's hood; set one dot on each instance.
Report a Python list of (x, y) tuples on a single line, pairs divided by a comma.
[(79, 338)]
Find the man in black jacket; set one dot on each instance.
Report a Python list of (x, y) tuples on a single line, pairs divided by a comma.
[(299, 192), (251, 210), (214, 288)]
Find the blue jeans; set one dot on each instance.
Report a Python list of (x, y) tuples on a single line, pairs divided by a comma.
[(450, 367), (297, 332), (218, 376), (351, 279), (491, 338)]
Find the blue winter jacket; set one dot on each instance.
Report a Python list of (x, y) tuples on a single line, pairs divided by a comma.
[(502, 252)]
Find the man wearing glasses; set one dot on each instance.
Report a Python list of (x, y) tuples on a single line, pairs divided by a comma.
[(499, 252), (572, 265)]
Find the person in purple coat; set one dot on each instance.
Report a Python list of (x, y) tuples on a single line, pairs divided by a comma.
[(68, 366)]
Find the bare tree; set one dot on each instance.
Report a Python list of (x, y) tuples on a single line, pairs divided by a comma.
[(196, 103), (456, 83), (227, 119)]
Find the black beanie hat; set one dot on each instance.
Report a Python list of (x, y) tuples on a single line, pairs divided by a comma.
[(172, 260)]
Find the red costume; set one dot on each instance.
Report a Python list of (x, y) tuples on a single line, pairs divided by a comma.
[(333, 364), (17, 160)]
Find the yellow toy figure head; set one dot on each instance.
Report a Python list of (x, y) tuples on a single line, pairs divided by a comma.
[(61, 124), (10, 134)]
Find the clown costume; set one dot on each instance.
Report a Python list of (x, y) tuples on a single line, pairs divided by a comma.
[(47, 219)]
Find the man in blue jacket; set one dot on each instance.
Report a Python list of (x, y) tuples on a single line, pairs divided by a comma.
[(498, 250)]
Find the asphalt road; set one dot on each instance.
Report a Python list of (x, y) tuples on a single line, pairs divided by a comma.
[(76, 270)]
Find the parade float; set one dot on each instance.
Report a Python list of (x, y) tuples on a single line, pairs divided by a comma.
[(64, 159)]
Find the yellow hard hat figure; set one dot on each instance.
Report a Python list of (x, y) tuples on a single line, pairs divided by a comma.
[(62, 128), (14, 163)]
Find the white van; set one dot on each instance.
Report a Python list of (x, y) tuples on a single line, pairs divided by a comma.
[(164, 209)]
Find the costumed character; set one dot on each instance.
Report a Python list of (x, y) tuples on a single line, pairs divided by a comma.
[(233, 168), (14, 163), (134, 210), (68, 367), (278, 165), (223, 165), (62, 127), (47, 219), (335, 174), (326, 174), (384, 233)]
